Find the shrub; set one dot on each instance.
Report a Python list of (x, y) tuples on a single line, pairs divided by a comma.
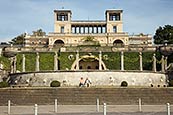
[(4, 84), (55, 84), (124, 84), (171, 83)]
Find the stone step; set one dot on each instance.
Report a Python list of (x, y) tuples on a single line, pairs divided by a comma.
[(77, 96)]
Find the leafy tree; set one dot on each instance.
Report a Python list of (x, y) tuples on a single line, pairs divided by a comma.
[(19, 40), (39, 32), (164, 33)]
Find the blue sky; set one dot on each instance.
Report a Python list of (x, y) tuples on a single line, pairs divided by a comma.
[(139, 16)]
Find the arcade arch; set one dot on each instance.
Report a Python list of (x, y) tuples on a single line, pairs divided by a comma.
[(118, 43), (58, 43), (88, 62)]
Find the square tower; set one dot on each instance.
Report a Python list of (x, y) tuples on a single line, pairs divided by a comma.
[(62, 21), (114, 21)]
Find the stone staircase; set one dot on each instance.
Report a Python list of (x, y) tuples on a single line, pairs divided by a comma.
[(86, 96)]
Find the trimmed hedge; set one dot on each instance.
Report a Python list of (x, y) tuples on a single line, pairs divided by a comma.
[(4, 84)]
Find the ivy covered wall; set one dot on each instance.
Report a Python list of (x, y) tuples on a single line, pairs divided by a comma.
[(112, 60)]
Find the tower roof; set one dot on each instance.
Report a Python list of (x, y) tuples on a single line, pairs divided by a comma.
[(114, 11), (62, 11)]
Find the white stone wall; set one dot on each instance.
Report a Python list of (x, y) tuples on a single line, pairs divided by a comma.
[(98, 78)]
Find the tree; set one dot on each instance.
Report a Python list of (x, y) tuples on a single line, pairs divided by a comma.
[(164, 33), (19, 40), (39, 32)]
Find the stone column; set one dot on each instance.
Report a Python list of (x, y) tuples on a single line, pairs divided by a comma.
[(23, 63), (37, 67), (140, 61), (154, 63), (12, 65), (100, 59), (15, 64), (163, 64), (122, 61), (77, 60), (166, 64), (55, 61)]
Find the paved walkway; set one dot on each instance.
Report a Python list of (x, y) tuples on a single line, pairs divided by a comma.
[(87, 110)]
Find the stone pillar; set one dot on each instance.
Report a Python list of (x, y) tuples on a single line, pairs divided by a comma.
[(77, 60), (163, 64), (154, 63), (15, 64), (11, 65), (23, 63), (122, 61), (166, 64), (55, 61), (100, 59), (13, 61), (37, 67), (140, 61)]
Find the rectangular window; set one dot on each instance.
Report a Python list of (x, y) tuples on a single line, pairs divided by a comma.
[(62, 29), (115, 29)]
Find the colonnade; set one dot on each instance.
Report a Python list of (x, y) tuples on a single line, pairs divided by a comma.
[(88, 29), (37, 64)]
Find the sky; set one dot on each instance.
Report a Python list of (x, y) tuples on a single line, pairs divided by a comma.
[(139, 16)]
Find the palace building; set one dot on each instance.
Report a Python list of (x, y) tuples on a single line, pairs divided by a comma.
[(68, 32)]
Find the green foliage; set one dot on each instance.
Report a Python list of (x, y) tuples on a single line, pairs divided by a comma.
[(39, 32), (65, 62), (5, 61), (147, 59), (46, 61), (112, 61), (19, 62), (4, 84), (30, 61), (124, 84), (164, 33), (131, 61), (19, 40), (55, 84), (171, 83)]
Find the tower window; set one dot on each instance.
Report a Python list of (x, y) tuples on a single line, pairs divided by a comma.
[(62, 17), (62, 29), (114, 16), (115, 29)]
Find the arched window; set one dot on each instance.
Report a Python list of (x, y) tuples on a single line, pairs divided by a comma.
[(58, 43), (118, 43)]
